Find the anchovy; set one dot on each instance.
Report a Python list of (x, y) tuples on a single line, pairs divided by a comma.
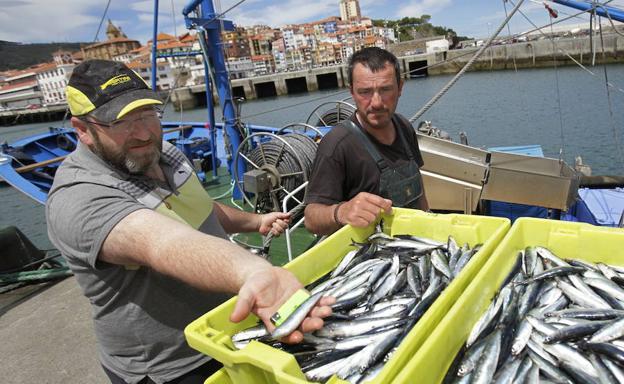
[(575, 332), (438, 261), (549, 273), (604, 374), (589, 314), (355, 327), (294, 320), (607, 286), (342, 266), (489, 358), (614, 330), (366, 357)]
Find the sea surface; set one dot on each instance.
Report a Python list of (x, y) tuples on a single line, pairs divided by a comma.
[(568, 111)]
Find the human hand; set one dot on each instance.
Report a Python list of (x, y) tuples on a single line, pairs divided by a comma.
[(363, 209), (266, 290), (275, 222)]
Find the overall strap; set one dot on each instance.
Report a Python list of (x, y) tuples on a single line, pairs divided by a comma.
[(370, 147)]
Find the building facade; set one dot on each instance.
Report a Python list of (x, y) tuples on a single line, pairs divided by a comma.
[(117, 44), (350, 10)]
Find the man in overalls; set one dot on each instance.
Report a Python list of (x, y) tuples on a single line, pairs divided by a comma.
[(369, 163)]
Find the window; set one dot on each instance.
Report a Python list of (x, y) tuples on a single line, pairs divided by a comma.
[(163, 75)]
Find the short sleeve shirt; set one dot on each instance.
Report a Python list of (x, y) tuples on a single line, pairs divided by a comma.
[(139, 314), (343, 167)]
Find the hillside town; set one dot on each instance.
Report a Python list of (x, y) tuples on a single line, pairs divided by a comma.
[(249, 51)]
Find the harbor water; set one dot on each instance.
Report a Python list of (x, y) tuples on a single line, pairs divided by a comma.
[(567, 111)]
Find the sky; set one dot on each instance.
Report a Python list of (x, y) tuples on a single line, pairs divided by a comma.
[(44, 21)]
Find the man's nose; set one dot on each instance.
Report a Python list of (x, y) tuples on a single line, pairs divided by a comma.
[(376, 99)]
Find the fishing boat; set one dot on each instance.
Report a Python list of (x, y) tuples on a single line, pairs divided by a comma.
[(268, 167), (459, 178)]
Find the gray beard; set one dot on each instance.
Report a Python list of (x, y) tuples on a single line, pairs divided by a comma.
[(122, 161)]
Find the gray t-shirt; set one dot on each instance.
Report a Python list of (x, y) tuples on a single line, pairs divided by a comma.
[(139, 314)]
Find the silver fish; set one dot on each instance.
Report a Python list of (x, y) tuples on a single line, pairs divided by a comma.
[(294, 320)]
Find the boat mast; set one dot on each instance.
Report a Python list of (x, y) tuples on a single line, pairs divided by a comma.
[(209, 24)]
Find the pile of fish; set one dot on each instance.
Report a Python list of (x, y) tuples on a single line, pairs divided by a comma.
[(553, 320), (382, 288)]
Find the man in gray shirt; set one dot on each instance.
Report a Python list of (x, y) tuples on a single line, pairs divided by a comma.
[(146, 243)]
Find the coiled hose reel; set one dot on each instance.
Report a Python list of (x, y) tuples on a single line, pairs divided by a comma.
[(330, 113), (276, 166)]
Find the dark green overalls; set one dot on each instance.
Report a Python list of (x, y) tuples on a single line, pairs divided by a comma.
[(402, 184)]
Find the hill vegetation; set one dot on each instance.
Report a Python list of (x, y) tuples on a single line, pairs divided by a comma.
[(20, 56), (410, 28)]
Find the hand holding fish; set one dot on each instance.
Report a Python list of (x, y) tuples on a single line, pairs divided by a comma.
[(363, 209), (266, 290), (274, 222)]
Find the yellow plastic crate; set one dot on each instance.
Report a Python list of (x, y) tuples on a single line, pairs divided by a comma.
[(259, 363), (565, 239), (220, 377)]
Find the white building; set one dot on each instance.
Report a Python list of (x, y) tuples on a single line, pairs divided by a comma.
[(166, 78), (240, 67), (440, 45), (19, 90), (349, 10), (52, 80)]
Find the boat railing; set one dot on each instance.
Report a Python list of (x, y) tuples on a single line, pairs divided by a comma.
[(287, 198)]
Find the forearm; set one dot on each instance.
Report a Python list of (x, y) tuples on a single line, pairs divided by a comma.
[(203, 261), (236, 221), (319, 219)]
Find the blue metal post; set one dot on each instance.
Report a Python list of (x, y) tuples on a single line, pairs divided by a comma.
[(211, 114), (212, 26), (602, 10), (154, 44)]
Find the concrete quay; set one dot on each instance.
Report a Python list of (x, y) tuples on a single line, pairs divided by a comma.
[(531, 54), (33, 115), (47, 336)]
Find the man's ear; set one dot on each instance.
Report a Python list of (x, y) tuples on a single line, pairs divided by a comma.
[(82, 130)]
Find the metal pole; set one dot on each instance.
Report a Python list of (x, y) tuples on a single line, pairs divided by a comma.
[(222, 82), (154, 44)]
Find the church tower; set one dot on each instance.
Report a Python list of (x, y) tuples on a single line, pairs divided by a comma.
[(113, 32)]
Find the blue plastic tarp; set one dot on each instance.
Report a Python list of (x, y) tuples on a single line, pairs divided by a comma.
[(598, 206)]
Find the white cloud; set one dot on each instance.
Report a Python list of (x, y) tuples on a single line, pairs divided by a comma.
[(283, 12), (45, 21), (422, 7)]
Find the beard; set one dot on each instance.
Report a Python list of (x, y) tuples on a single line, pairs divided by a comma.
[(121, 158)]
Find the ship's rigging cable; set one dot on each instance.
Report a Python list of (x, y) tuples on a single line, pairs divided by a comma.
[(523, 97), (536, 29), (583, 67), (554, 57), (444, 89), (616, 137), (101, 21)]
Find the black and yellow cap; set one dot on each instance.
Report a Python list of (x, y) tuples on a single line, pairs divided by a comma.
[(107, 90)]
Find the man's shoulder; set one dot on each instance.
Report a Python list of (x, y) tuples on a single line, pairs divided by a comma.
[(339, 135)]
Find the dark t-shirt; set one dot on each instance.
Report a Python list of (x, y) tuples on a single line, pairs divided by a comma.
[(343, 167)]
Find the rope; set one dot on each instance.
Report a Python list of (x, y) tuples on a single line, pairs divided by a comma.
[(437, 97)]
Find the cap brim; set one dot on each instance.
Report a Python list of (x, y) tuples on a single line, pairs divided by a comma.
[(121, 105)]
